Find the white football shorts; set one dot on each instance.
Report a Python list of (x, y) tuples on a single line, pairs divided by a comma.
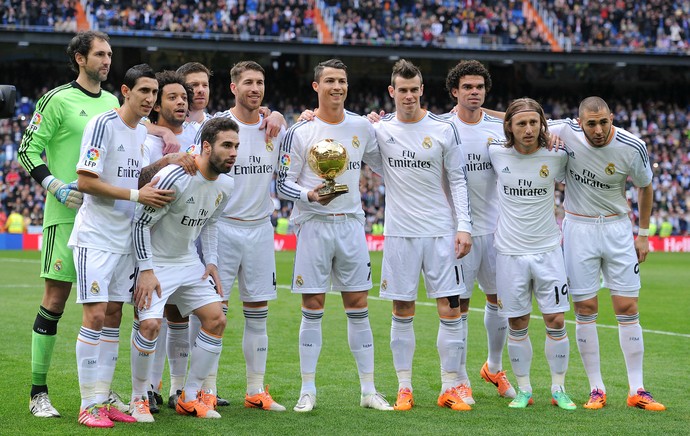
[(183, 287), (480, 265), (596, 247), (103, 276), (403, 260), (332, 254), (246, 253), (542, 275)]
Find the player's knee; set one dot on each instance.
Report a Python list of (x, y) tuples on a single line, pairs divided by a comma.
[(149, 328), (586, 307), (554, 320), (215, 324)]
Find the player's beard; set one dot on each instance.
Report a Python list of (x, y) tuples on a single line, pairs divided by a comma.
[(217, 164), (96, 76)]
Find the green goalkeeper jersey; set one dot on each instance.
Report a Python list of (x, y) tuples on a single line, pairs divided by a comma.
[(56, 128)]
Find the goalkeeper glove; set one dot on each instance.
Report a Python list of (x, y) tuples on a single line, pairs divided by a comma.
[(66, 193)]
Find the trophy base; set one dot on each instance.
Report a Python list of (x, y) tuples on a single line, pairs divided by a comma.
[(334, 189)]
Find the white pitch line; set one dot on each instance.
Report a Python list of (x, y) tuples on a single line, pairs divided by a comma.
[(429, 304), (419, 303)]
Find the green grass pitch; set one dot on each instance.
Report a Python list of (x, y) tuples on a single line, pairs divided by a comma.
[(664, 306)]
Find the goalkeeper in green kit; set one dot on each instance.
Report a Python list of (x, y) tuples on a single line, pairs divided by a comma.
[(56, 129)]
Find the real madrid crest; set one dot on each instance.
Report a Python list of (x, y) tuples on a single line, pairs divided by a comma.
[(610, 169), (58, 265), (355, 141), (218, 199), (489, 140), (141, 149), (299, 281), (95, 289), (427, 142), (384, 284), (544, 171), (500, 303), (269, 146)]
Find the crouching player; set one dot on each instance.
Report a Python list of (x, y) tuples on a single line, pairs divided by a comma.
[(169, 265)]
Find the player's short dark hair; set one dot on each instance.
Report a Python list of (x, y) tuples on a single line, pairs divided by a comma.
[(593, 104), (81, 43), (168, 77), (406, 70), (194, 67), (331, 63), (212, 127), (240, 67), (525, 105), (467, 68), (137, 72)]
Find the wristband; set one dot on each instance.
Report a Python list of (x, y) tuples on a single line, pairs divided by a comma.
[(642, 232), (134, 195)]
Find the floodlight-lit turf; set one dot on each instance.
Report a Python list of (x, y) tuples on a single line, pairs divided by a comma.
[(665, 317)]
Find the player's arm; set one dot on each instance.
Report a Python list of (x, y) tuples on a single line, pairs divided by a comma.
[(454, 163), (184, 160), (289, 166), (170, 142), (273, 123), (645, 201), (91, 183), (372, 153), (45, 122), (145, 218), (209, 245)]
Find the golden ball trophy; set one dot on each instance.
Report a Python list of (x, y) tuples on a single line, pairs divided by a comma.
[(328, 159)]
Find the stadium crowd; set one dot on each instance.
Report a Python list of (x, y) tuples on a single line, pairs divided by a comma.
[(625, 25), (665, 128)]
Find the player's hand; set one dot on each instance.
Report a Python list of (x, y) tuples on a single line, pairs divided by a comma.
[(555, 143), (65, 193), (307, 115), (273, 123), (212, 270), (642, 248), (374, 117), (170, 142), (147, 282), (149, 195), (323, 200), (185, 160), (463, 244)]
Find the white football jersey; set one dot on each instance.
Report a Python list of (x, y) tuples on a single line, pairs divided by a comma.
[(166, 236), (596, 176), (481, 178), (296, 178), (153, 146), (526, 221), (112, 150), (253, 171), (419, 159)]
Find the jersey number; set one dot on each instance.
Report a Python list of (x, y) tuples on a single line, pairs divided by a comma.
[(563, 291)]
